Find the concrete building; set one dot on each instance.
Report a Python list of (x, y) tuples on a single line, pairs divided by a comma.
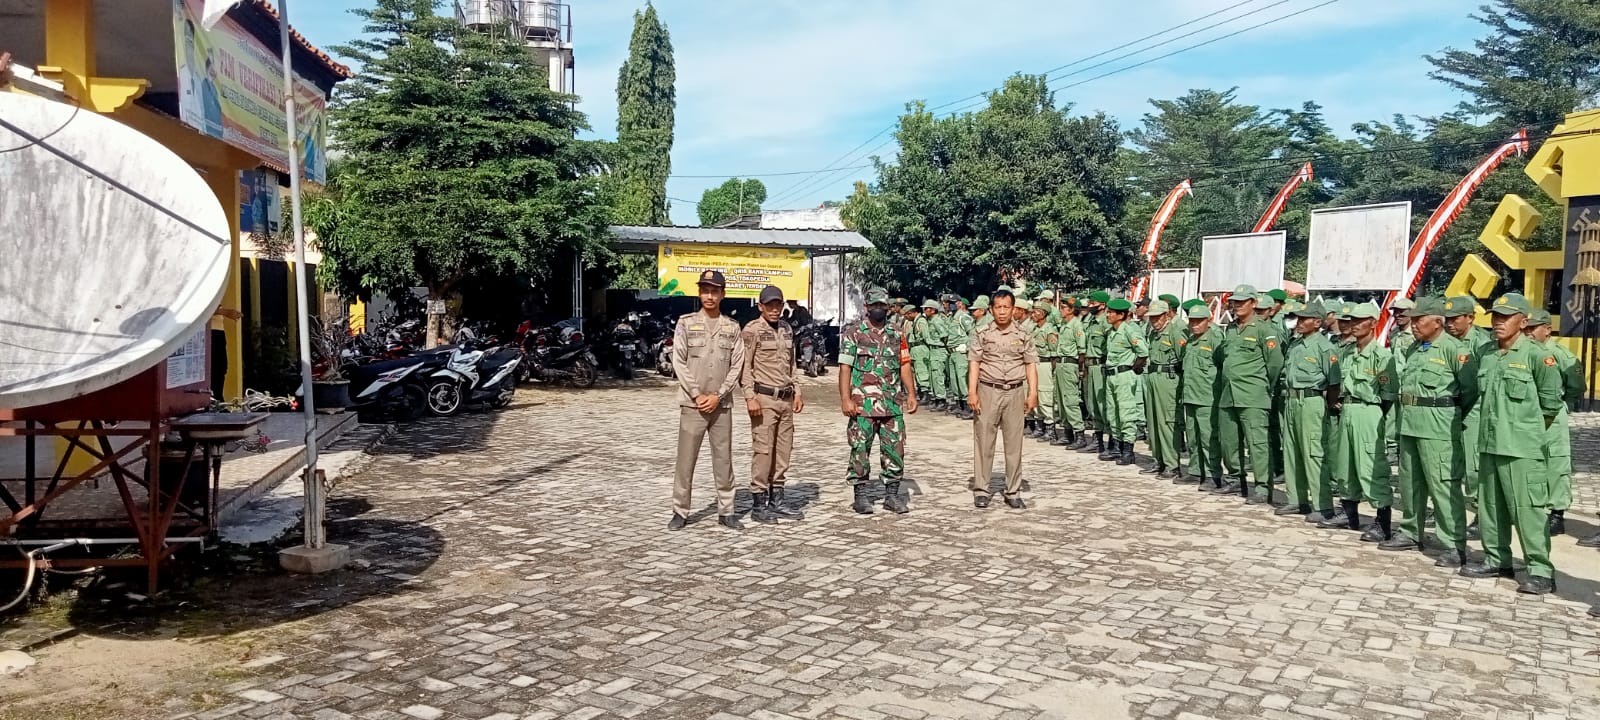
[(835, 294)]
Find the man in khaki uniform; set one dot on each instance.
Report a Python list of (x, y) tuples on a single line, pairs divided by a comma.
[(772, 398), (1003, 387), (707, 353)]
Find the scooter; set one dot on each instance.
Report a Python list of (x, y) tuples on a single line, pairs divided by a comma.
[(625, 350), (395, 389), (557, 354), (471, 377)]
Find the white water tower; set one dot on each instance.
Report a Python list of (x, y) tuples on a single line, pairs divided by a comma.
[(543, 26)]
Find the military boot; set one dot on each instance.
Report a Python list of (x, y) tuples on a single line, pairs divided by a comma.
[(1400, 542), (966, 410), (1536, 585), (1452, 558), (759, 510), (1380, 529), (1108, 449), (1144, 432), (1228, 486), (863, 503), (1060, 437), (731, 522), (781, 511), (1557, 522), (1348, 517), (1154, 469), (1287, 509), (1127, 453), (1485, 570), (892, 500), (1084, 444)]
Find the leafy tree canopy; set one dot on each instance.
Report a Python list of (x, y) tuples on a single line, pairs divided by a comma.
[(731, 200)]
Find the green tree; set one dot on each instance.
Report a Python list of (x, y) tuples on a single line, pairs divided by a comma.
[(459, 162), (1538, 62), (730, 201), (646, 101), (1020, 187)]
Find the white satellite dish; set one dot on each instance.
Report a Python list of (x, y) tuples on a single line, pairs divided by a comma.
[(114, 252)]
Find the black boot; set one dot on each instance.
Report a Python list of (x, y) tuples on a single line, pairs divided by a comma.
[(1557, 523), (892, 500), (1082, 443), (1472, 529), (1536, 585), (759, 511), (1127, 453), (863, 503), (1143, 434), (1108, 448), (1452, 558), (1399, 542), (1348, 517), (731, 522), (781, 511), (1379, 530), (966, 410), (1484, 570), (1156, 469), (1228, 486), (1027, 427), (1287, 509), (1058, 436)]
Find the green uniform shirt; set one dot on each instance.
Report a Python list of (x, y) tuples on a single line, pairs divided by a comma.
[(1251, 361), (1310, 363), (1437, 369), (1201, 358), (1069, 340), (1044, 340), (1517, 390), (1367, 374), (940, 332), (1166, 345), (1124, 344), (964, 325), (919, 332), (1094, 337), (1572, 380)]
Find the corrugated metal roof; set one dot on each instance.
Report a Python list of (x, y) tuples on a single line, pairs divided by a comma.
[(823, 242)]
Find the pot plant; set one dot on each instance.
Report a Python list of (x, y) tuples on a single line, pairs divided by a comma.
[(330, 338)]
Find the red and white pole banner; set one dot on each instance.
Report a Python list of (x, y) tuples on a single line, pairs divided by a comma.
[(1152, 241), (1449, 210), (1281, 199)]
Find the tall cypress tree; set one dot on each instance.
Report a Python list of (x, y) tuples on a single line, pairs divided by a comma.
[(646, 99)]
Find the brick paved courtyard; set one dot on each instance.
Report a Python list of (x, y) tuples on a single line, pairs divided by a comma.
[(517, 566)]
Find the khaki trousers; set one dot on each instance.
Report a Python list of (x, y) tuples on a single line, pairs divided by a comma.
[(693, 426), (998, 410), (771, 443)]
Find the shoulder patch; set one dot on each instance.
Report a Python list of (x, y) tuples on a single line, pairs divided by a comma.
[(1550, 361), (1463, 357), (1271, 343)]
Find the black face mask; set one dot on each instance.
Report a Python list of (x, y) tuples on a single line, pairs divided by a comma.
[(877, 315)]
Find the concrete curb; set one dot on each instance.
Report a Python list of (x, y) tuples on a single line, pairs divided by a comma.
[(275, 512)]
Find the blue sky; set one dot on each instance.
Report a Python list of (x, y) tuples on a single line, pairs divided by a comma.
[(767, 86)]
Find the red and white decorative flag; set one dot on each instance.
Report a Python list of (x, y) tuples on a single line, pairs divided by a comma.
[(1449, 210), (1282, 199), (1152, 241)]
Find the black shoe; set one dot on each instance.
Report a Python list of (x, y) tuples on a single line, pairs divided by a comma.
[(1473, 533), (1015, 502), (1027, 427), (1556, 523), (1212, 484), (980, 501), (759, 511), (863, 503), (892, 500), (1085, 443), (1347, 518), (1593, 541), (1536, 585), (966, 410), (1142, 434), (1060, 439), (1452, 558), (1181, 478), (1157, 470), (1108, 448), (1228, 487), (677, 522), (1259, 497), (1379, 530), (1317, 516), (730, 522), (781, 511), (1482, 570), (1301, 509), (1127, 454), (1400, 541)]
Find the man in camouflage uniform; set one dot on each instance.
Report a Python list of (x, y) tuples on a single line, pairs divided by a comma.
[(876, 390), (1558, 444)]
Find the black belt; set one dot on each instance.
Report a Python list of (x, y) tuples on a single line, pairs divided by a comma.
[(1094, 362), (1168, 368), (1049, 358), (1298, 393), (1359, 402), (1002, 386), (1418, 401), (1118, 370), (783, 393)]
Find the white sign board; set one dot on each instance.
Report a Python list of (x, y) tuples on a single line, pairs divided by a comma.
[(1228, 261), (1182, 282), (1359, 248)]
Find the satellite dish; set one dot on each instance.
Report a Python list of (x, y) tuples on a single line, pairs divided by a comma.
[(115, 252)]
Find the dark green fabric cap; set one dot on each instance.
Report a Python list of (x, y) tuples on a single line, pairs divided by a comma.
[(1120, 304), (1101, 296), (1433, 305), (1539, 317), (1172, 300), (1460, 305), (1510, 304)]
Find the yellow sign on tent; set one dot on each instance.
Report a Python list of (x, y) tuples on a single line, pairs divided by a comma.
[(747, 269)]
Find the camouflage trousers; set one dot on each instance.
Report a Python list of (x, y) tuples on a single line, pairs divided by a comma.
[(891, 435)]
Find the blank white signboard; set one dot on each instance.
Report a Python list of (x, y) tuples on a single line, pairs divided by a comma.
[(1228, 261), (1359, 248), (1183, 282)]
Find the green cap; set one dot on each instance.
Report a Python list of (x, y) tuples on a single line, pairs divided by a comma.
[(1402, 304), (1191, 302), (1120, 304), (1244, 292), (930, 304), (1510, 304), (1159, 307), (1172, 300), (1198, 310), (1100, 296), (1362, 311), (1278, 296), (1025, 304), (982, 303), (1539, 317), (1460, 305), (1006, 288), (1046, 295), (878, 296), (1423, 307)]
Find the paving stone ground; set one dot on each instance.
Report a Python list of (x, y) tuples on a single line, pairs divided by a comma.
[(517, 566)]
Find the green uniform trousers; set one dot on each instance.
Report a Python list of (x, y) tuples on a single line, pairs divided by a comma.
[(1097, 398), (919, 367), (1161, 407), (1361, 469), (1470, 437), (938, 357), (1514, 493), (1205, 445), (958, 375), (1046, 411), (1069, 394), (1139, 415), (1430, 469), (1558, 459), (1275, 432), (1125, 400), (1244, 435), (1306, 479)]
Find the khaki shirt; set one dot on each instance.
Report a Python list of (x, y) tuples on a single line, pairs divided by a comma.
[(768, 356), (1003, 355), (707, 353)]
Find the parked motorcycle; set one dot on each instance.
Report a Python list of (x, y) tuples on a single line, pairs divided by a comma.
[(663, 354), (474, 376), (811, 349), (625, 345), (556, 354), (395, 389)]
